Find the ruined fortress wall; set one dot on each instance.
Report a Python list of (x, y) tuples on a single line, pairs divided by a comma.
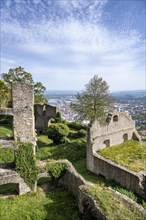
[(131, 180), (43, 112), (112, 133), (23, 112)]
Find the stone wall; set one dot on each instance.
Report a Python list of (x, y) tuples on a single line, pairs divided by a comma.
[(10, 176), (131, 180), (88, 206), (43, 112), (117, 128), (115, 131), (23, 112)]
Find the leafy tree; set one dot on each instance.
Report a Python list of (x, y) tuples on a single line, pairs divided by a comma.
[(58, 132), (39, 90), (20, 75), (17, 75), (4, 94), (95, 101)]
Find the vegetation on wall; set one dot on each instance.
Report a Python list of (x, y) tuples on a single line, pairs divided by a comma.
[(130, 154), (56, 169), (112, 205), (26, 163)]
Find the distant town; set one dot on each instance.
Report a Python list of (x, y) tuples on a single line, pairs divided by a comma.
[(132, 102)]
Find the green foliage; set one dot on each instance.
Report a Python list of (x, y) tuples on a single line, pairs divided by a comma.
[(76, 126), (94, 101), (18, 74), (72, 151), (57, 132), (5, 131), (82, 133), (25, 163), (56, 169), (113, 206), (6, 155), (39, 90), (4, 94), (58, 204), (58, 117), (130, 154)]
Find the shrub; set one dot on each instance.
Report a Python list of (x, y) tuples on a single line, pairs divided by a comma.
[(76, 126), (58, 117), (58, 132), (82, 133), (25, 163), (56, 169)]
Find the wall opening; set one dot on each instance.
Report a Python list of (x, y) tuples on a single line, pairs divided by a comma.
[(9, 189), (106, 143), (6, 127), (125, 137), (115, 118)]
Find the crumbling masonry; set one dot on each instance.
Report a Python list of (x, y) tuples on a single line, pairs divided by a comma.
[(23, 129), (117, 128)]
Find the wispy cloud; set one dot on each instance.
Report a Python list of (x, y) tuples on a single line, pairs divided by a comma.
[(69, 38)]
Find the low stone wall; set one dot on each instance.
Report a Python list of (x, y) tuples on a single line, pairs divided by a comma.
[(131, 180), (10, 176), (89, 207)]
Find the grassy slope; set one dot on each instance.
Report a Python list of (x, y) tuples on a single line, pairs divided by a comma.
[(5, 131), (58, 205), (75, 152), (129, 154)]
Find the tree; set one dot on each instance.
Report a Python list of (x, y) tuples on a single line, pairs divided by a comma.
[(20, 75), (17, 75), (39, 90), (4, 94), (95, 101)]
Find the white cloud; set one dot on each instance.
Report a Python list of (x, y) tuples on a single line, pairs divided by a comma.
[(74, 46)]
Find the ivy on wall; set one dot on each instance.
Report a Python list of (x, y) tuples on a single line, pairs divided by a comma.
[(26, 163)]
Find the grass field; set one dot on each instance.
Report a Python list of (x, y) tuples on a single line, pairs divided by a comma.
[(56, 205), (130, 154), (46, 205)]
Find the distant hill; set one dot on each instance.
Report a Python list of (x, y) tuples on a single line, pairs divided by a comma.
[(133, 93)]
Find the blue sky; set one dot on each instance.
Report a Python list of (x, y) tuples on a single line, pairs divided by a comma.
[(64, 43)]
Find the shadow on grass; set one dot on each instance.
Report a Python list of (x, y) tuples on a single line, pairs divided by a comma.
[(62, 206)]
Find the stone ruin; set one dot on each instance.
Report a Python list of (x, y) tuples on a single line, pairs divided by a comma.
[(22, 112), (117, 128), (43, 113)]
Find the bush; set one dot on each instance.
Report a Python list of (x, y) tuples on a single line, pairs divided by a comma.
[(26, 163), (82, 133), (58, 132), (58, 117), (76, 126), (56, 169)]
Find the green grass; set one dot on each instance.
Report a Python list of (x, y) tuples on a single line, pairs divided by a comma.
[(6, 155), (73, 150), (113, 206), (56, 205), (5, 131), (129, 154)]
